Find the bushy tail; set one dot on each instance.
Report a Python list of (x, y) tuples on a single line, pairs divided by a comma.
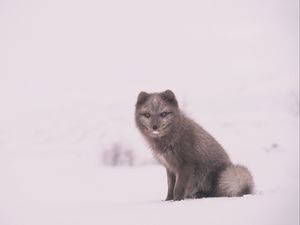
[(235, 180)]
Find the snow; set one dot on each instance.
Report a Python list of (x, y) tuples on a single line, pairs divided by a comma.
[(68, 189), (70, 72)]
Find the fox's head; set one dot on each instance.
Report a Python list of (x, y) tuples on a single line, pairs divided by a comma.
[(157, 113)]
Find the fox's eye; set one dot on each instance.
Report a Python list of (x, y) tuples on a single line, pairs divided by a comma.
[(147, 115), (164, 114)]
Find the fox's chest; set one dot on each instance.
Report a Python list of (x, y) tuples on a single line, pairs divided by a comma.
[(162, 159), (168, 159)]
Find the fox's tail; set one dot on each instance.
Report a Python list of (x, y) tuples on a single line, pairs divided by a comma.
[(235, 180)]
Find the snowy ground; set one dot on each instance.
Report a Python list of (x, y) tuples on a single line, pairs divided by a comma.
[(67, 189), (70, 72)]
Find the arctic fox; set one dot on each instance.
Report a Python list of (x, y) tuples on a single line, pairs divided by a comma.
[(196, 164)]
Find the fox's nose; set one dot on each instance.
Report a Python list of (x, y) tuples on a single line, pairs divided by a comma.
[(154, 127)]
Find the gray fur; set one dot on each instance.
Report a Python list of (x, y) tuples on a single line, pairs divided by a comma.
[(196, 164)]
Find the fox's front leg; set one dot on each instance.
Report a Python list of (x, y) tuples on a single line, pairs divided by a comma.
[(171, 183), (182, 178)]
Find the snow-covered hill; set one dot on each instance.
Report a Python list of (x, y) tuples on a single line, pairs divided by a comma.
[(66, 189)]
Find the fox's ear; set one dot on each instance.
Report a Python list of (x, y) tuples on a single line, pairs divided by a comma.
[(169, 96), (143, 96)]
